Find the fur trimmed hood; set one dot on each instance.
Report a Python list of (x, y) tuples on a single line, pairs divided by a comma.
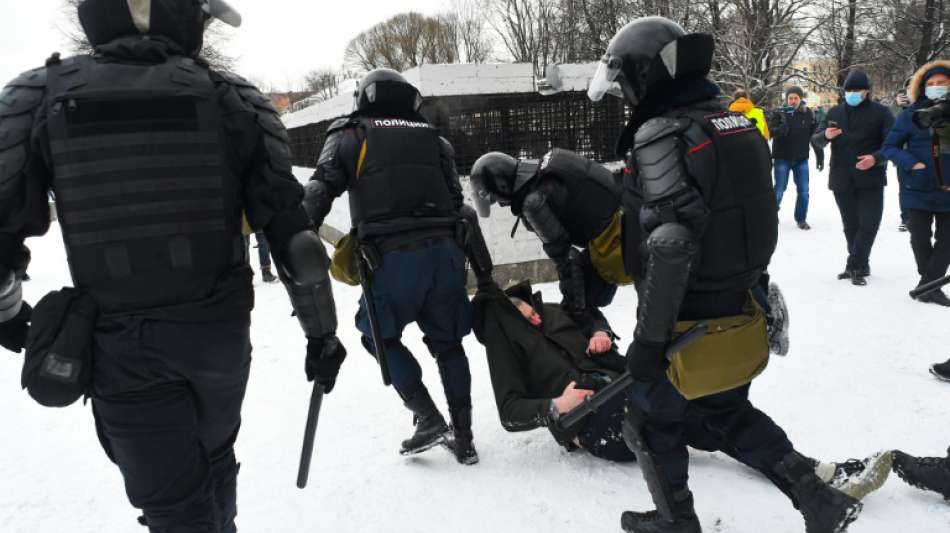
[(916, 88)]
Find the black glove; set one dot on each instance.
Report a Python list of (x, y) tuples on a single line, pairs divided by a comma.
[(13, 332), (324, 358), (646, 362), (820, 165)]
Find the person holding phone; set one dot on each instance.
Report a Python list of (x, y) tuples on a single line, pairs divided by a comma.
[(856, 129)]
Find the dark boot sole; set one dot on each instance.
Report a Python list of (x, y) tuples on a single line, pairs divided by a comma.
[(468, 461), (851, 515), (438, 441), (939, 376)]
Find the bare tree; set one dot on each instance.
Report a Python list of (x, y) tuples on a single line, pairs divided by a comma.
[(527, 30), (405, 41), (213, 52), (474, 44), (323, 83)]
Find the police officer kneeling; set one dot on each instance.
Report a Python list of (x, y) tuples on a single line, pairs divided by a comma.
[(406, 208), (153, 158), (709, 223)]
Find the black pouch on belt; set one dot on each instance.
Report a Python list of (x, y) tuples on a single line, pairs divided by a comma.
[(57, 368)]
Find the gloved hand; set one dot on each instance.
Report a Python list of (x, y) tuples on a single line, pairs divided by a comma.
[(820, 165), (13, 332), (646, 362), (324, 358)]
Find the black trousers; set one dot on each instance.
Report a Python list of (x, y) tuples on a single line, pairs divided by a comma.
[(167, 402), (861, 212), (726, 422), (930, 239)]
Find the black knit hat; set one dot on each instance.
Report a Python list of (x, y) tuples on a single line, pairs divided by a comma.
[(795, 89), (857, 81)]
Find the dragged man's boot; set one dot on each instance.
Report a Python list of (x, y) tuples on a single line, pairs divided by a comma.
[(857, 477), (684, 518), (927, 473), (825, 508), (431, 429)]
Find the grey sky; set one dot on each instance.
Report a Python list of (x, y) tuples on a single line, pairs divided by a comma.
[(279, 42)]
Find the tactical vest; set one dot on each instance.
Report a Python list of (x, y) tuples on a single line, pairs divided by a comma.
[(594, 195), (742, 229), (399, 175), (149, 208)]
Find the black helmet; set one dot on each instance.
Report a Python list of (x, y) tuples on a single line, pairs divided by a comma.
[(497, 177), (181, 21), (648, 54), (386, 90)]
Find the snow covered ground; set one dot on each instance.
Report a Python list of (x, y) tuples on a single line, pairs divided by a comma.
[(855, 382)]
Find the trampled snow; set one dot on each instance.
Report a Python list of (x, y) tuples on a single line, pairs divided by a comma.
[(855, 382)]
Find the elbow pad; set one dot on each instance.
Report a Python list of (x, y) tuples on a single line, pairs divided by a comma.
[(307, 280), (11, 296), (542, 219), (671, 248)]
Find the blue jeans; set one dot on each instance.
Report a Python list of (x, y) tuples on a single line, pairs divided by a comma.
[(799, 170)]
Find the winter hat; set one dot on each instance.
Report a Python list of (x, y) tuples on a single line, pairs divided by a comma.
[(795, 89), (857, 81), (934, 71)]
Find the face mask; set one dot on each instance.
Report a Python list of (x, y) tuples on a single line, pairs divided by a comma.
[(936, 92), (853, 98)]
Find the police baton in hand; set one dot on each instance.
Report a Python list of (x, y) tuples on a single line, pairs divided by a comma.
[(309, 435), (366, 281), (928, 288), (595, 402)]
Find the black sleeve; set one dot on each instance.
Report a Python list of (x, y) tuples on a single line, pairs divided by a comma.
[(272, 195), (517, 410), (556, 241), (25, 175), (887, 123), (451, 173), (335, 170)]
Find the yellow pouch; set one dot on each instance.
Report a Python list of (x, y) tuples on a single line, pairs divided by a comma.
[(606, 253), (734, 351), (343, 266)]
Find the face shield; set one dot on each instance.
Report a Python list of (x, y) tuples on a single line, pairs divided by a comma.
[(605, 80), (481, 196), (219, 9)]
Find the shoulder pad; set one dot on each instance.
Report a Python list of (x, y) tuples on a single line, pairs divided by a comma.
[(235, 80), (533, 201), (31, 78), (340, 124), (18, 102), (447, 148), (656, 129)]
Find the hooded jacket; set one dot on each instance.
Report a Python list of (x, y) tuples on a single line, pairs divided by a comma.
[(753, 113), (907, 145)]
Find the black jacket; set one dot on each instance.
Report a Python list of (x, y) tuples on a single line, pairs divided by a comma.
[(865, 128), (256, 150), (792, 133), (530, 366)]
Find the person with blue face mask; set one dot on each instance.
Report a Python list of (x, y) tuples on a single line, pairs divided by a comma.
[(856, 129), (926, 204)]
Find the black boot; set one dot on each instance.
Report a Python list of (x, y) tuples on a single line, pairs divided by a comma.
[(927, 473), (857, 477), (684, 518), (825, 509), (858, 278), (462, 442), (267, 275), (936, 297), (431, 429), (941, 371)]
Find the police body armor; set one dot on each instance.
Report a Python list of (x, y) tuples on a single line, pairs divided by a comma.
[(594, 195), (400, 184), (742, 230), (149, 207)]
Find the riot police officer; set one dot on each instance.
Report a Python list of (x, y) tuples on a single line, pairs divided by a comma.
[(153, 158), (709, 226), (572, 204), (406, 208)]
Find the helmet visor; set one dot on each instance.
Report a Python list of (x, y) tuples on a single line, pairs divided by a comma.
[(222, 11), (481, 196), (605, 79)]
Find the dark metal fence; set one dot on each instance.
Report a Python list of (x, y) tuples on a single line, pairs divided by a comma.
[(523, 125)]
